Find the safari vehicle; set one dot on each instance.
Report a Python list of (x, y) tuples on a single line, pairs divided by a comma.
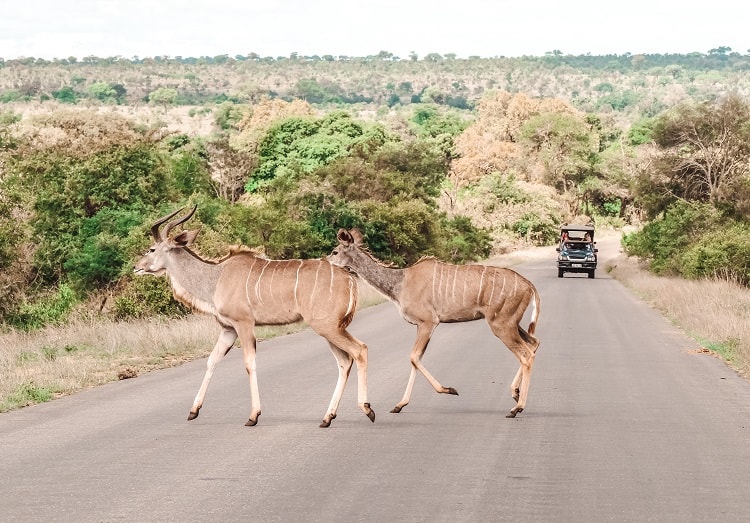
[(577, 250)]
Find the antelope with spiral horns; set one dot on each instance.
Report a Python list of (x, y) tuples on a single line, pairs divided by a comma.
[(243, 290), (431, 292)]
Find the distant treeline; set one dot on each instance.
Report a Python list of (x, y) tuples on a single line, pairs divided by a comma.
[(720, 58)]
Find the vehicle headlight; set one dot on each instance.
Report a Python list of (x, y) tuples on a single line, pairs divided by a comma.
[(563, 257), (590, 257)]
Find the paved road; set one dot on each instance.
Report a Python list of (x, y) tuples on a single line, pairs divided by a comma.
[(625, 422)]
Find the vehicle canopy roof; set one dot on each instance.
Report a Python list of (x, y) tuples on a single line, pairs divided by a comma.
[(578, 232)]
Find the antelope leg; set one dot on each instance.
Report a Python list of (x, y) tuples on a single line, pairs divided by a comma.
[(523, 350), (356, 351), (515, 391), (223, 345), (424, 333), (247, 340), (344, 363), (527, 363)]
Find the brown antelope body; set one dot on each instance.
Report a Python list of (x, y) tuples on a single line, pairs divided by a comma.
[(431, 292), (244, 290)]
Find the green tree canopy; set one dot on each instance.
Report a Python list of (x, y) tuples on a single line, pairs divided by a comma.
[(301, 145)]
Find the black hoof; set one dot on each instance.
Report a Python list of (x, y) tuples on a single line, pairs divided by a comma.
[(396, 409), (452, 391), (370, 413), (512, 413), (252, 422), (193, 415), (327, 422)]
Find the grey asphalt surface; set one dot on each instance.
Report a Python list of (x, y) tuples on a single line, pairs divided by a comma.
[(625, 421)]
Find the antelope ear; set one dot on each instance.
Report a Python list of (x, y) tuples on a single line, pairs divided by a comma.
[(185, 238), (357, 236), (343, 236)]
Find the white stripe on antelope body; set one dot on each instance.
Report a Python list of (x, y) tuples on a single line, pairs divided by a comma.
[(431, 292), (243, 290)]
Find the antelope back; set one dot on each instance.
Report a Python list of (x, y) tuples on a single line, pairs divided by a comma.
[(282, 291), (464, 292)]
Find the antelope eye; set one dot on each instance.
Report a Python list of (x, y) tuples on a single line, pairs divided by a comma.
[(335, 251)]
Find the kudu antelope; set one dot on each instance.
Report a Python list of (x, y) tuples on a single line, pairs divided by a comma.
[(243, 290), (431, 292)]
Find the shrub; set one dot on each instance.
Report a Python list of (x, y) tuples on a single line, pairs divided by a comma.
[(537, 229), (505, 188), (143, 296), (53, 309), (662, 239), (724, 254), (464, 242)]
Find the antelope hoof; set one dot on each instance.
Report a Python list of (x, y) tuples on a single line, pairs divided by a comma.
[(252, 422), (450, 390), (397, 409), (327, 421), (192, 415), (512, 413), (370, 413)]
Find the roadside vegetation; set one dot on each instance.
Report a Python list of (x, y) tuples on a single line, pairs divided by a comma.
[(458, 159), (713, 311)]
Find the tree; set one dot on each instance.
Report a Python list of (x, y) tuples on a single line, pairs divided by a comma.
[(66, 95), (230, 169), (303, 144), (87, 177), (103, 92), (703, 152), (564, 144), (163, 96)]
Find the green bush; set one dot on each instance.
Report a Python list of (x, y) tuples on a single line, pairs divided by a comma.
[(97, 262), (144, 296), (724, 254), (83, 204), (662, 240), (301, 145), (464, 242), (505, 188), (537, 229), (53, 309), (66, 95)]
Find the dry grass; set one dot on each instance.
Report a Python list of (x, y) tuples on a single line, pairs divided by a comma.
[(39, 366), (714, 312)]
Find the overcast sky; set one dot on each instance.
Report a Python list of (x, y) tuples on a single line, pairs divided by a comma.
[(146, 28)]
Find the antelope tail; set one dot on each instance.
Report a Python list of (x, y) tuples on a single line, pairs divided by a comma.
[(534, 313), (352, 307)]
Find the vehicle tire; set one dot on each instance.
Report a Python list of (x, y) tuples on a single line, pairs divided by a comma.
[(560, 273), (591, 274)]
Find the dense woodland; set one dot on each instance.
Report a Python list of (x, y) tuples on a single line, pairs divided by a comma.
[(455, 158)]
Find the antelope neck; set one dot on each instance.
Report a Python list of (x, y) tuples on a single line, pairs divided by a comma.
[(385, 279), (193, 279)]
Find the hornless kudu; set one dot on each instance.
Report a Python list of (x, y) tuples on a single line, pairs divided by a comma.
[(431, 292), (243, 290)]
